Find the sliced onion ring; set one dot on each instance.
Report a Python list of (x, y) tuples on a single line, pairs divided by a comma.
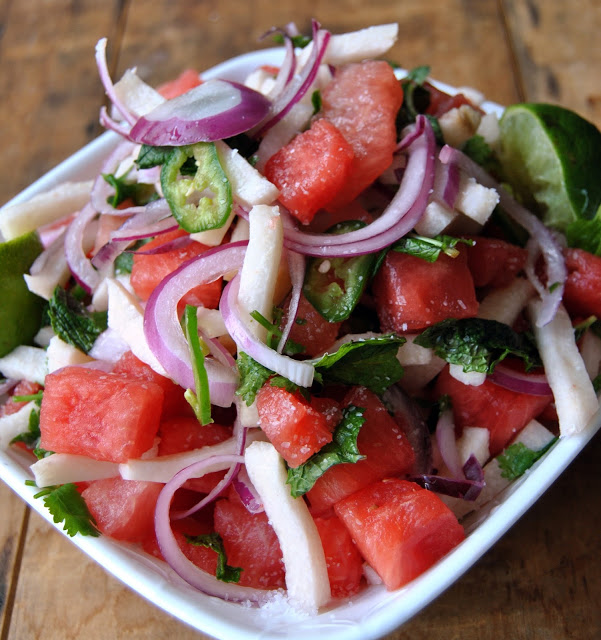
[(534, 384), (214, 110), (173, 555)]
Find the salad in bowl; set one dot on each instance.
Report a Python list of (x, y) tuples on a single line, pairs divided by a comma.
[(284, 344)]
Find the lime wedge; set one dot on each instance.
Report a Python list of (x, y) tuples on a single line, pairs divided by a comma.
[(20, 310), (551, 157)]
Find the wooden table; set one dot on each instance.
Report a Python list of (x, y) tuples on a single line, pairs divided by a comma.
[(543, 579)]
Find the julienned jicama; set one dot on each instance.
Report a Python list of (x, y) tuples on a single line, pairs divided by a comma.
[(294, 331)]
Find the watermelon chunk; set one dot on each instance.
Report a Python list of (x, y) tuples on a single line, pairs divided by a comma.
[(310, 169), (582, 294), (104, 416), (493, 262), (413, 294), (362, 101), (400, 528), (250, 543), (123, 509), (381, 440), (295, 428)]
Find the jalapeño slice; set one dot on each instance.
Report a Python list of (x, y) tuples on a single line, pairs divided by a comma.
[(200, 202), (335, 285)]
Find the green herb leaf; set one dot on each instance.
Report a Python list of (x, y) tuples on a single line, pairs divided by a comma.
[(518, 458), (418, 75), (300, 41), (225, 572), (478, 344), (150, 156), (342, 449), (252, 377), (72, 322), (585, 234), (32, 436), (430, 248), (371, 363), (316, 101), (140, 193), (201, 400), (67, 506), (274, 333), (481, 152)]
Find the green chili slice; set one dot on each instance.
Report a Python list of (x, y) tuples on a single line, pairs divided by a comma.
[(335, 285), (200, 202)]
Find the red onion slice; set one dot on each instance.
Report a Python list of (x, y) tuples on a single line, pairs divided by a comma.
[(299, 85), (301, 373), (79, 264), (468, 488), (173, 555), (163, 330), (105, 78), (551, 294), (296, 267), (247, 492), (534, 384), (447, 445), (401, 215), (214, 110)]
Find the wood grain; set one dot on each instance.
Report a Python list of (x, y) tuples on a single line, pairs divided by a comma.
[(542, 580)]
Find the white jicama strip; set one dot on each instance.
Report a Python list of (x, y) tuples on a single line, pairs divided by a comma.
[(249, 187), (260, 268), (50, 269), (43, 336), (356, 46), (163, 468), (413, 354), (459, 124), (474, 441), (304, 560), (506, 304), (436, 219), (139, 97), (15, 423), (60, 468), (126, 318), (471, 378), (25, 363), (475, 200), (44, 208), (60, 354), (575, 398)]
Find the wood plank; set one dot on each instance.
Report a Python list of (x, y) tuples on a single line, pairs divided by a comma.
[(51, 94), (12, 522), (64, 595), (557, 49)]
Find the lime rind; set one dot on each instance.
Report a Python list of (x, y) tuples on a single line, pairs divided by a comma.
[(552, 158)]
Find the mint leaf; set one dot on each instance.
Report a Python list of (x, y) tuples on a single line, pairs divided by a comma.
[(30, 437), (252, 377), (72, 322), (67, 506), (518, 458), (138, 192), (480, 152), (418, 74), (342, 449), (478, 344), (225, 572), (371, 363), (429, 249)]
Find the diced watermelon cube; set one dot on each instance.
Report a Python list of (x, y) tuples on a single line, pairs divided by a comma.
[(502, 411), (105, 416), (413, 294), (310, 169), (343, 560), (493, 262), (295, 428), (383, 443), (250, 543), (123, 509), (582, 294), (400, 528)]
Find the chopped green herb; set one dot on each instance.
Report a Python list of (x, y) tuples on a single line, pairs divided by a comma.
[(316, 101), (300, 41), (72, 322), (67, 506), (252, 377), (274, 334), (138, 192), (31, 437), (478, 344), (430, 248), (518, 458), (481, 152), (342, 449), (225, 572)]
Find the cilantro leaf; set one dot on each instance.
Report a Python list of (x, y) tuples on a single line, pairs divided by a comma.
[(67, 506), (32, 436), (138, 192), (72, 322), (419, 74), (252, 377), (430, 248), (371, 363), (342, 449), (478, 344), (225, 572), (518, 458)]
